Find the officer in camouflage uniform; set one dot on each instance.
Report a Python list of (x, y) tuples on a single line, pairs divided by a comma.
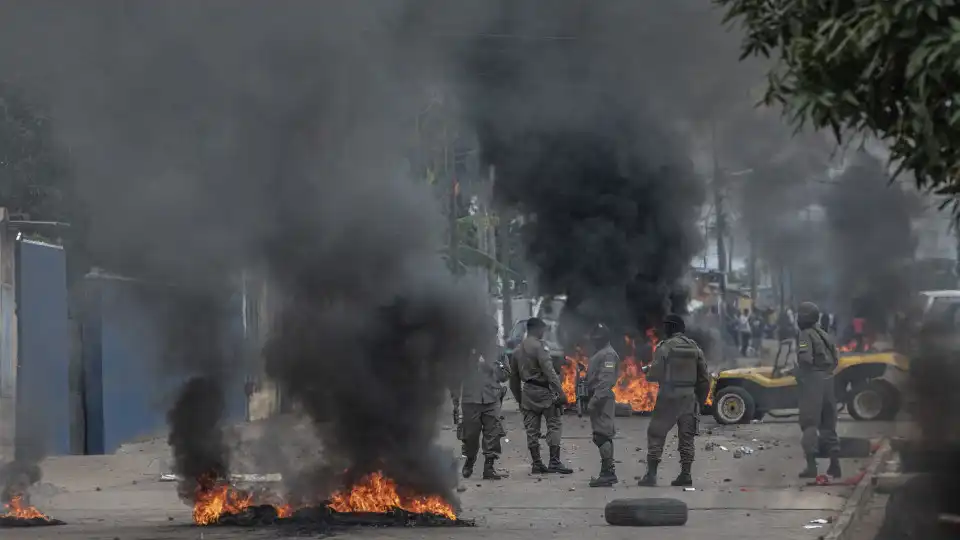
[(480, 398), (681, 371), (602, 374), (817, 359), (537, 388)]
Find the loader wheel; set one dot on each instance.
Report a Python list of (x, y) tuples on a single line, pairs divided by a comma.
[(873, 400), (646, 512), (734, 405)]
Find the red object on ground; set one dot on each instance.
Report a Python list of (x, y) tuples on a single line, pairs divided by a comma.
[(824, 480)]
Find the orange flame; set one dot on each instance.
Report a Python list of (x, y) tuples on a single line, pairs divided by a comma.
[(216, 498), (568, 375), (852, 347), (632, 386), (376, 493), (17, 510)]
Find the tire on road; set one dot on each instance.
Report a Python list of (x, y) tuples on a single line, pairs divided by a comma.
[(734, 405), (873, 400), (623, 409), (646, 512), (851, 447)]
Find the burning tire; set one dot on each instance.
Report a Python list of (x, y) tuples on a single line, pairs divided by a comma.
[(734, 405), (873, 400), (623, 409), (646, 512)]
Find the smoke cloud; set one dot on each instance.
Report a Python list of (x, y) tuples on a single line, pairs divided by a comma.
[(610, 198), (869, 222), (210, 138)]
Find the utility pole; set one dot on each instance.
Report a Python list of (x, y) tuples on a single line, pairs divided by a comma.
[(752, 266), (718, 205), (503, 256), (454, 240)]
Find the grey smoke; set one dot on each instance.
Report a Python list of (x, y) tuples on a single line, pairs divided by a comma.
[(869, 222), (610, 195), (213, 137), (224, 135)]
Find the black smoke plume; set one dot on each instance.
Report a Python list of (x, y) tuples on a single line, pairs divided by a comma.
[(197, 343), (872, 240), (610, 199), (216, 137)]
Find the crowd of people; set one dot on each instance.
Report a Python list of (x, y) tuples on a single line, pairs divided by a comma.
[(747, 329)]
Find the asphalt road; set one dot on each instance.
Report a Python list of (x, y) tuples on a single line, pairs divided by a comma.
[(757, 496)]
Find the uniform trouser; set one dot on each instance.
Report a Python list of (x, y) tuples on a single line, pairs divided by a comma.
[(818, 413), (602, 412), (481, 419), (531, 423), (673, 410)]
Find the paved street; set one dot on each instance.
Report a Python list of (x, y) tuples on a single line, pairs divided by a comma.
[(754, 497)]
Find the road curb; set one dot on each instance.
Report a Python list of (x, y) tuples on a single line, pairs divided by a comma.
[(853, 508)]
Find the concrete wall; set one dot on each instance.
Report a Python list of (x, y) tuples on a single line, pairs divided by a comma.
[(127, 388), (43, 375), (8, 340)]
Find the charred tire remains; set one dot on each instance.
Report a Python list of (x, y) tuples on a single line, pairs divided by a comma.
[(8, 522), (734, 405), (646, 513), (323, 518), (873, 400)]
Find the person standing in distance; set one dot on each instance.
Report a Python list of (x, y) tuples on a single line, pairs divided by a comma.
[(817, 358), (681, 371), (601, 377), (537, 389)]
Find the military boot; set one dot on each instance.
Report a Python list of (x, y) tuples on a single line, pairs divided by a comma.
[(557, 466), (834, 469), (811, 470), (650, 479), (683, 479), (537, 466), (468, 466), (607, 477), (489, 471)]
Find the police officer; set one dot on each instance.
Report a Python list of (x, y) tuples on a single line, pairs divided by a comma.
[(601, 376), (817, 358), (480, 398), (681, 370), (536, 387)]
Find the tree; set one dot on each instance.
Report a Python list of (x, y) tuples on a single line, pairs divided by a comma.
[(32, 170), (886, 68)]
